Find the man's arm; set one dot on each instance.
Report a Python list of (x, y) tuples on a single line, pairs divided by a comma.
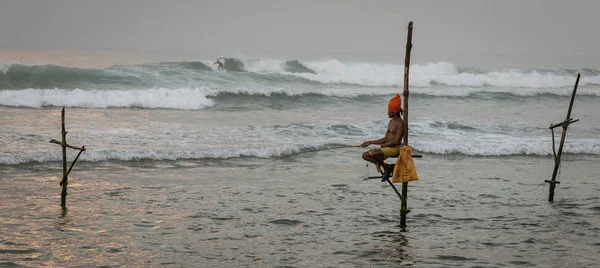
[(367, 143), (379, 141)]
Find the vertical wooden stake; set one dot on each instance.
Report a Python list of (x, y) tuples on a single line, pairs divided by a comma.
[(404, 205), (565, 126), (64, 181)]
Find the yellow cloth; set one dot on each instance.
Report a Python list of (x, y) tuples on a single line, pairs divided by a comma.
[(387, 153), (390, 152), (405, 170)]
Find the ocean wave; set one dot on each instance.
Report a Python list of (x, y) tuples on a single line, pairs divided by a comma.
[(431, 137), (97, 155), (17, 76), (441, 73), (4, 68), (183, 99), (193, 65), (332, 72), (526, 147), (205, 97), (444, 138)]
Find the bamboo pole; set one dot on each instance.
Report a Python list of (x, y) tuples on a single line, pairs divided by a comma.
[(565, 125), (404, 205)]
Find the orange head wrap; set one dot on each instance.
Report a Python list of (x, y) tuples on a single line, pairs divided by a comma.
[(395, 105)]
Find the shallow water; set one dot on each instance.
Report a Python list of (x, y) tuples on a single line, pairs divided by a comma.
[(312, 210), (168, 179)]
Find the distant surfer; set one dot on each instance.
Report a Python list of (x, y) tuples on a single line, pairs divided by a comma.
[(391, 143), (220, 64)]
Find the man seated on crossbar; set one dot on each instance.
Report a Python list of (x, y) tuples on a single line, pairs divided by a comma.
[(391, 143)]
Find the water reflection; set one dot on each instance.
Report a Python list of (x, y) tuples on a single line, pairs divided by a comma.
[(402, 249), (397, 249), (192, 221), (63, 220)]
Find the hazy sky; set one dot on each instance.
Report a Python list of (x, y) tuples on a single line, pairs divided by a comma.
[(320, 27)]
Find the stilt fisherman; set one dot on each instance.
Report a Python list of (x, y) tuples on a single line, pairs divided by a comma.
[(391, 143)]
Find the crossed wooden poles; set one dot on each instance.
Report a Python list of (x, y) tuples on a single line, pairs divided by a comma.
[(64, 182), (565, 125)]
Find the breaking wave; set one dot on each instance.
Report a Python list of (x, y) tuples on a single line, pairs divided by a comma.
[(17, 76), (191, 84), (432, 137)]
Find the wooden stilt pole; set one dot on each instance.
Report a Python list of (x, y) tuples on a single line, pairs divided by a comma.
[(63, 194), (64, 182), (403, 196), (565, 126), (403, 206)]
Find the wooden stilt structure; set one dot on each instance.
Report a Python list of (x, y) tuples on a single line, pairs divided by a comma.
[(64, 181), (403, 206), (565, 126), (403, 196)]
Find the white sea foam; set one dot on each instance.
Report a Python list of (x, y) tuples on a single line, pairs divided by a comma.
[(183, 98), (481, 147), (178, 88), (274, 141), (354, 91), (366, 74), (490, 140), (442, 73), (96, 155), (198, 98), (265, 66), (4, 68), (537, 147)]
